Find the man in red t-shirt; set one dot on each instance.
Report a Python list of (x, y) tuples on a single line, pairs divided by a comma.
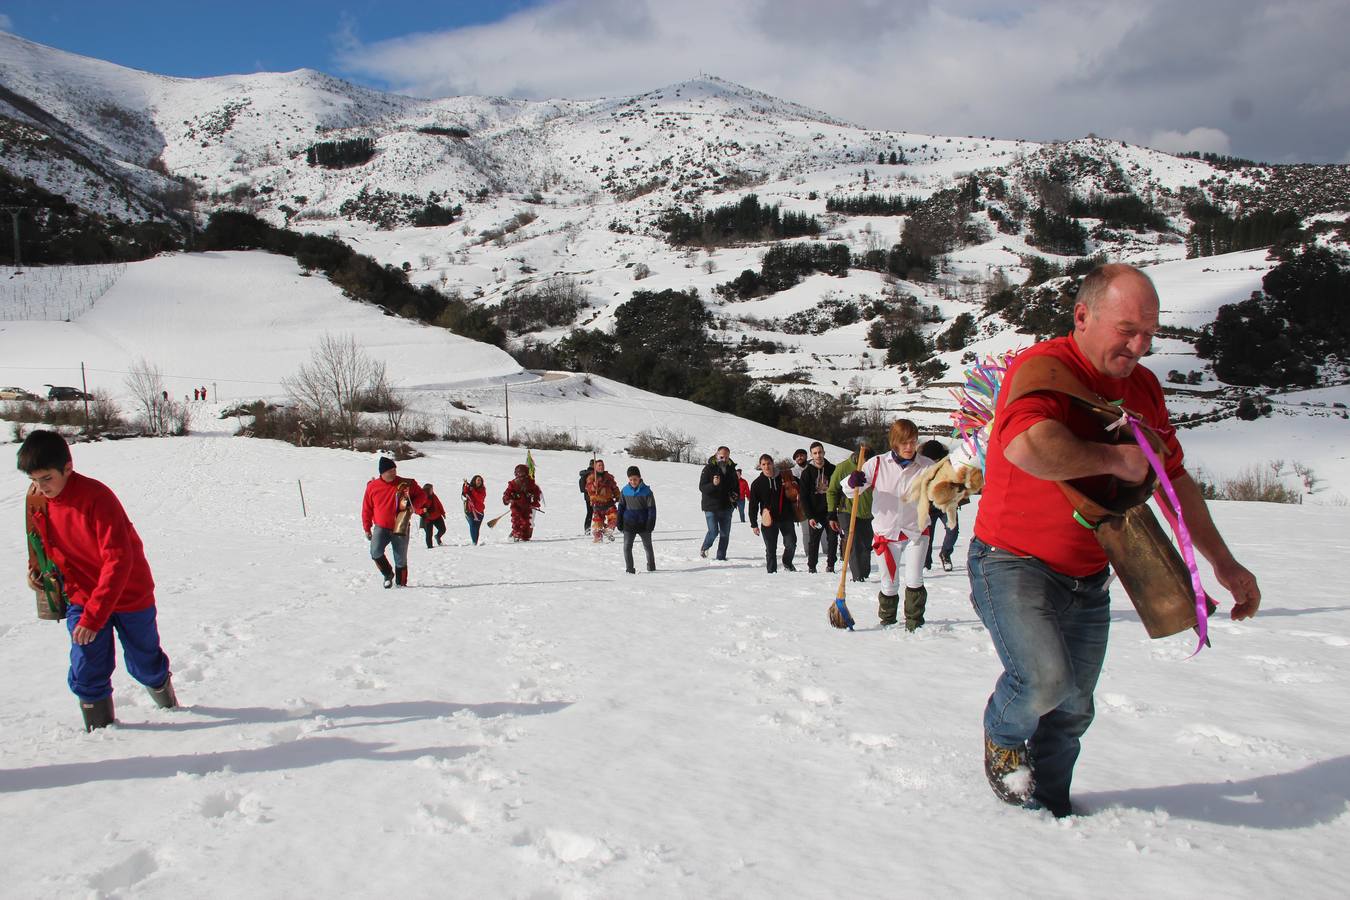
[(1038, 578), (102, 567)]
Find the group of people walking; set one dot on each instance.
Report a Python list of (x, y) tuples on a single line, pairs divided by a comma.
[(1038, 576)]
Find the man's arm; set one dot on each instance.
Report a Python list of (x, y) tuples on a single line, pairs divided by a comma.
[(1205, 535), (1049, 450)]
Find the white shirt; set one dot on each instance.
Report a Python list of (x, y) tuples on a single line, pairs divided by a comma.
[(892, 514)]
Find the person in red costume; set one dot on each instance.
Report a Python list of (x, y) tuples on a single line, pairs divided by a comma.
[(102, 566), (1038, 577), (386, 515)]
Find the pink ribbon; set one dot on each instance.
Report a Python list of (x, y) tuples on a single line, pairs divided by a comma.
[(1182, 532)]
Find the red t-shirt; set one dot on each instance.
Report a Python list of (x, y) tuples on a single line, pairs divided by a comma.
[(89, 537), (1029, 516)]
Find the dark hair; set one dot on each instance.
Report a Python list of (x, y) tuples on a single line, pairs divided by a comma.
[(43, 450), (428, 486), (633, 470), (815, 444), (764, 456), (934, 450)]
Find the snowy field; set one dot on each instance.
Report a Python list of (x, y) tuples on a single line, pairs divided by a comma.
[(529, 721)]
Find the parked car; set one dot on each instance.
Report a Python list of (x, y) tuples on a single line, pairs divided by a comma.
[(67, 393), (16, 393)]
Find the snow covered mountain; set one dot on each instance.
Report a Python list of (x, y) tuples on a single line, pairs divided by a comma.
[(574, 190)]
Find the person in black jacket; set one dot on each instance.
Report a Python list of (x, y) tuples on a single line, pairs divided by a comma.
[(719, 486), (771, 513), (815, 481), (585, 498)]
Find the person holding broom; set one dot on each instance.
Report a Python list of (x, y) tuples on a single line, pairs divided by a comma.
[(474, 495), (899, 538)]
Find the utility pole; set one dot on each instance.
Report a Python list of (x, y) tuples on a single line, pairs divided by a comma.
[(506, 388), (14, 217)]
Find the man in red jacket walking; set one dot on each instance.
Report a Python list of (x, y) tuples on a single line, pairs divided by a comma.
[(386, 515), (101, 561)]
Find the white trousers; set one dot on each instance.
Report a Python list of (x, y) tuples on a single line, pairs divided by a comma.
[(909, 556)]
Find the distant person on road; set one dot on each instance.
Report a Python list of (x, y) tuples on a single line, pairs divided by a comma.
[(101, 563), (719, 486), (386, 515)]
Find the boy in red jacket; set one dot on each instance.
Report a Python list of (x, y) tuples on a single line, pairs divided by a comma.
[(386, 515), (87, 534)]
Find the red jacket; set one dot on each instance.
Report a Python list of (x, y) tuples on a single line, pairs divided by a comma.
[(382, 502), (89, 537), (435, 510), (475, 500), (744, 488), (1028, 516)]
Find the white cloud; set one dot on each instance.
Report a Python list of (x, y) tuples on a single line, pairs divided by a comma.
[(1262, 75), (6, 23), (1206, 140)]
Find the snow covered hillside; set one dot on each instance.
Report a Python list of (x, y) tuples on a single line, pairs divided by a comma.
[(529, 721)]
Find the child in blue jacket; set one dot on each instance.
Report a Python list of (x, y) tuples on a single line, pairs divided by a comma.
[(637, 518)]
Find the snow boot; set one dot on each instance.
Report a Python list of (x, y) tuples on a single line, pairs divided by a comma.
[(1009, 772), (401, 576), (887, 607), (98, 714), (163, 695), (386, 570), (946, 561), (916, 601)]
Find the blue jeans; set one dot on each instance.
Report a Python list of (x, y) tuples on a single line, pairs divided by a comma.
[(740, 507), (1050, 633), (719, 522), (475, 523), (950, 533), (383, 537), (92, 664)]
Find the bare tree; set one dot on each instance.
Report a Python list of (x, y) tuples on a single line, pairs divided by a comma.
[(331, 385), (146, 387)]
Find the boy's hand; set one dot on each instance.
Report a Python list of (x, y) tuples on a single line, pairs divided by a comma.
[(35, 579), (367, 535), (82, 635)]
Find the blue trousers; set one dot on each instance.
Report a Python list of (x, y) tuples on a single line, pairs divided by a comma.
[(383, 537), (950, 533), (1050, 632), (475, 523), (92, 664), (719, 529)]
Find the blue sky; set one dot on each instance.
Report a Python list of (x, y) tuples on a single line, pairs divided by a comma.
[(192, 38), (1264, 79)]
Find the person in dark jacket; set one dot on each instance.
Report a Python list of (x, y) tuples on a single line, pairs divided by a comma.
[(815, 483), (585, 497), (937, 451), (719, 486), (102, 569), (860, 561), (771, 513), (433, 515), (637, 518)]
